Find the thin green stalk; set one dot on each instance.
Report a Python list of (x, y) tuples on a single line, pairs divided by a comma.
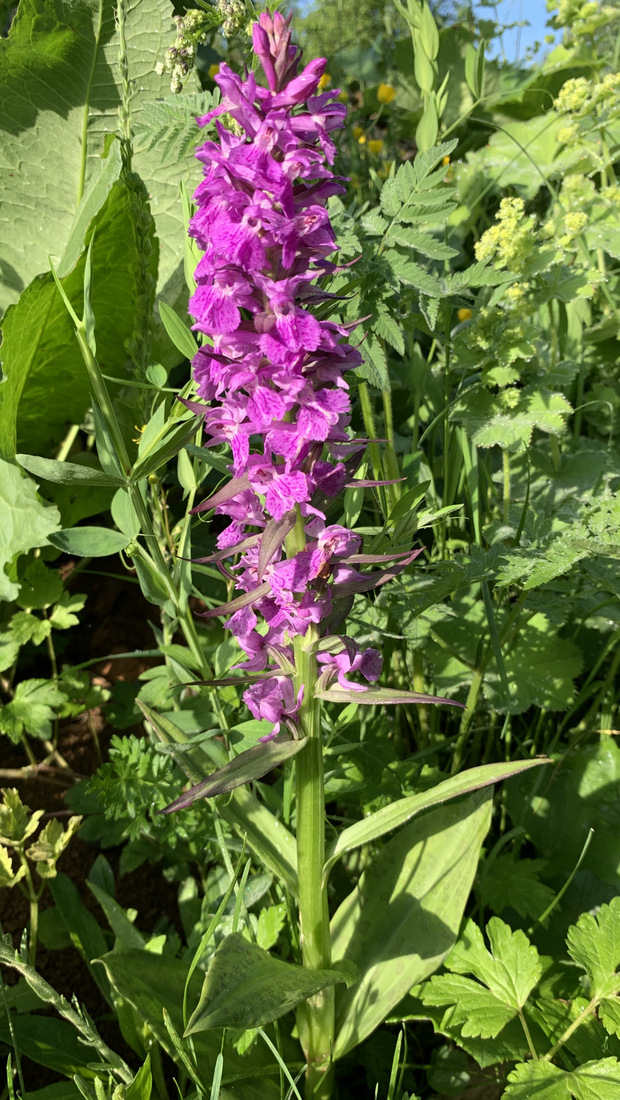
[(315, 1016), (71, 1012), (102, 396), (506, 469), (371, 431), (67, 443), (528, 1037), (570, 1029), (391, 462), (420, 687), (468, 714)]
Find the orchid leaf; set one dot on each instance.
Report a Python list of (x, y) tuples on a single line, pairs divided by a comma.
[(272, 539), (398, 813), (403, 917), (231, 489), (246, 987), (376, 696), (269, 838), (373, 580), (249, 765)]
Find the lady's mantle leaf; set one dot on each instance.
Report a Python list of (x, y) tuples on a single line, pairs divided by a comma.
[(30, 709), (505, 978), (591, 1081), (507, 419), (594, 943)]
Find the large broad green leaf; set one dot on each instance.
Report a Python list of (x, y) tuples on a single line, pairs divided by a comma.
[(246, 987), (26, 523), (41, 356), (154, 983), (403, 917), (60, 90), (524, 155)]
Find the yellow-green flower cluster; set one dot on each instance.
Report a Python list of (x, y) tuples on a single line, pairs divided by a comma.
[(574, 94), (579, 96), (571, 11), (573, 224), (509, 242)]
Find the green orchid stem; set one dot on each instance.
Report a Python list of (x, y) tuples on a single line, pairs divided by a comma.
[(315, 1016)]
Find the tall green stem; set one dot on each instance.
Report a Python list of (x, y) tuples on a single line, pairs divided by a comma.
[(315, 1016)]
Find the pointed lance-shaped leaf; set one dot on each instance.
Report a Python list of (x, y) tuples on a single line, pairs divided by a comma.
[(229, 551), (363, 483), (373, 580), (369, 559), (272, 539), (234, 486), (249, 765), (234, 681), (244, 600), (376, 696), (398, 813)]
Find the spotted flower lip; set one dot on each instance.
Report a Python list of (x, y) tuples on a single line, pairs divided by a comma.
[(273, 383)]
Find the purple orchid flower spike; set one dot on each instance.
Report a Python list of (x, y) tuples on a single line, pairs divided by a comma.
[(273, 384)]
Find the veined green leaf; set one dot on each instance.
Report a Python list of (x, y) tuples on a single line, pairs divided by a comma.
[(599, 1080), (246, 987), (65, 472), (179, 333), (248, 766), (60, 78), (152, 983), (505, 977), (89, 542), (26, 523)]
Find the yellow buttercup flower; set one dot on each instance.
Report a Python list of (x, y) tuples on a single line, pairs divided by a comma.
[(358, 131), (385, 93), (325, 81), (375, 146), (463, 314), (361, 140), (213, 71)]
